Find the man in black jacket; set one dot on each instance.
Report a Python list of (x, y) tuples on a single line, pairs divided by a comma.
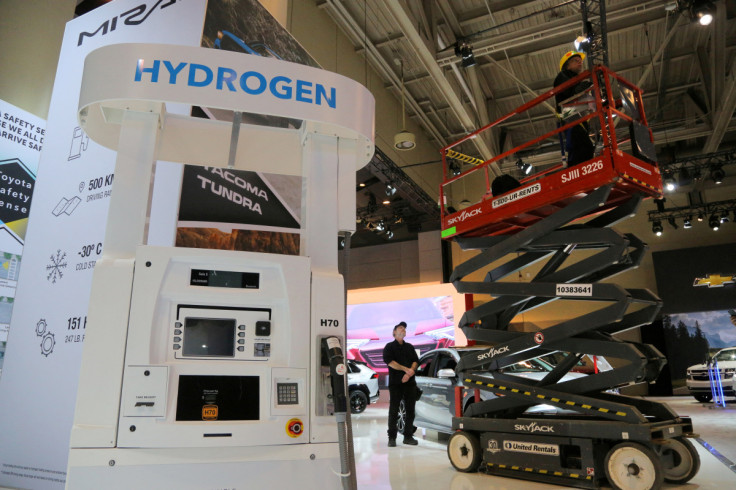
[(578, 145), (402, 361)]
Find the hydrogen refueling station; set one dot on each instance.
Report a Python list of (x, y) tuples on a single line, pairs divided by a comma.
[(211, 368)]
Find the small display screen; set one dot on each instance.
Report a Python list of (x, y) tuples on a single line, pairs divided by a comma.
[(209, 337), (212, 398), (224, 279)]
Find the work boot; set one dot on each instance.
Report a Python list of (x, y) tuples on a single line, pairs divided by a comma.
[(392, 443), (410, 441)]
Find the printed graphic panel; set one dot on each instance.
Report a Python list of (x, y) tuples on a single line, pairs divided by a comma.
[(696, 279), (64, 236)]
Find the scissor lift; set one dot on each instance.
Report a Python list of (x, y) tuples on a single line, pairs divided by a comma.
[(557, 224)]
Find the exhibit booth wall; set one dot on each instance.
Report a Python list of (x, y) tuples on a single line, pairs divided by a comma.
[(430, 310), (39, 380), (698, 288)]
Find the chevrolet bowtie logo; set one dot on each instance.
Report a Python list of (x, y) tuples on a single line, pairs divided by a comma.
[(714, 280)]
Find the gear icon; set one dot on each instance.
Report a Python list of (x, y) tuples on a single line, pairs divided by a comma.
[(47, 344), (41, 327)]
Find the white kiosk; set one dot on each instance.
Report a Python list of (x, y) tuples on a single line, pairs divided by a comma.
[(206, 368)]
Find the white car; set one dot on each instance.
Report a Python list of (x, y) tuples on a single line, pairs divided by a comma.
[(362, 386), (698, 382)]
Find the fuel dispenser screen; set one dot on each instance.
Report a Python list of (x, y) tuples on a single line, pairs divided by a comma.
[(224, 279), (209, 337)]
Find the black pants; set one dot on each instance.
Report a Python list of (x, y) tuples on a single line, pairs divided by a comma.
[(578, 145), (407, 392)]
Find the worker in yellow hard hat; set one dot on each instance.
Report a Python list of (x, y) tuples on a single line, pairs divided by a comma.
[(577, 144)]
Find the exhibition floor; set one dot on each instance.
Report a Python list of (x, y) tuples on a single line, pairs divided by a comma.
[(426, 466)]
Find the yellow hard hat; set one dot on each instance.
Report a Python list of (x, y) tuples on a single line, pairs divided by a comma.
[(569, 55)]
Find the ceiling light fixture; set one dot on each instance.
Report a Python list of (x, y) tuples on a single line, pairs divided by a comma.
[(389, 233), (404, 140), (687, 223), (465, 51), (669, 182), (526, 168), (581, 41), (380, 226), (657, 228), (390, 189), (714, 222), (717, 174), (702, 11)]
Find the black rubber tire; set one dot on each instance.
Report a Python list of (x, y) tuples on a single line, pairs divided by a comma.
[(687, 461), (358, 401), (633, 466), (463, 450), (703, 398), (401, 421)]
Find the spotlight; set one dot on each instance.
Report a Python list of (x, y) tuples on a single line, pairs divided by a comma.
[(714, 222), (380, 226), (703, 11), (657, 228), (672, 222), (701, 217), (717, 174), (581, 41), (390, 189), (362, 184), (405, 140), (669, 182), (389, 233), (697, 174), (465, 51), (687, 223), (724, 217), (455, 169), (526, 168), (386, 202)]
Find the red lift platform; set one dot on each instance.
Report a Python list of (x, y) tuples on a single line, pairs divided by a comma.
[(608, 438), (619, 162)]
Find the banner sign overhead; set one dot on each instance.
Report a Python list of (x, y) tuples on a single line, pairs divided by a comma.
[(125, 76)]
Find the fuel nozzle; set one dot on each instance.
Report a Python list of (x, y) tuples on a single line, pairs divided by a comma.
[(338, 370)]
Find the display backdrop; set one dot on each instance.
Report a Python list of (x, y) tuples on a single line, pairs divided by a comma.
[(244, 26), (64, 240), (696, 279), (430, 325), (698, 287), (429, 310), (21, 139)]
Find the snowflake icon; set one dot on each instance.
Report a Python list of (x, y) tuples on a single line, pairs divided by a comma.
[(58, 262)]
